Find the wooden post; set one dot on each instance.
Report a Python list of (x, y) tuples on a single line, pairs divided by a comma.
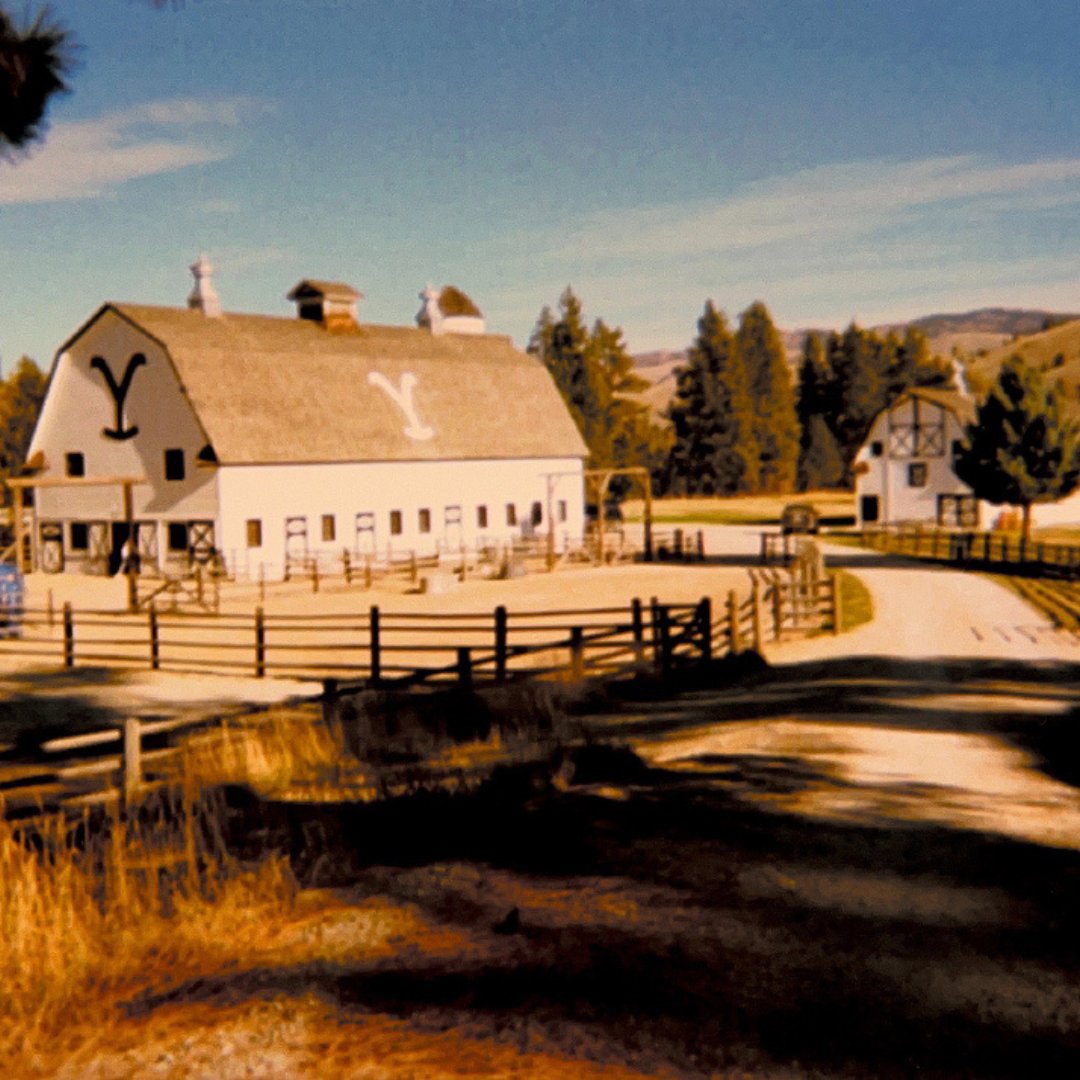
[(464, 667), (155, 643), (648, 519), (755, 599), (199, 584), (375, 646), (500, 644), (17, 514), (705, 624), (260, 643), (315, 574), (577, 653), (777, 610), (132, 568), (637, 623), (701, 545), (665, 640), (734, 638), (131, 779), (367, 571), (414, 570), (262, 583), (329, 700), (678, 544), (837, 603), (654, 623), (346, 566), (69, 635)]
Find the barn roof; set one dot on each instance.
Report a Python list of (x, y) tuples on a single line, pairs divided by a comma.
[(961, 405), (282, 390)]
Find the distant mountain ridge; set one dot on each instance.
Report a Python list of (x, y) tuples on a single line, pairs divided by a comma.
[(994, 320)]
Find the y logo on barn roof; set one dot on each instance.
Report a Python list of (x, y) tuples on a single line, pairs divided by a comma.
[(119, 393), (402, 396)]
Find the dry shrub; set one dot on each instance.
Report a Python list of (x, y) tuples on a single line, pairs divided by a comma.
[(94, 913)]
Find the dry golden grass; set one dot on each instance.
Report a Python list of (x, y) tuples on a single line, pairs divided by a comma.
[(739, 509)]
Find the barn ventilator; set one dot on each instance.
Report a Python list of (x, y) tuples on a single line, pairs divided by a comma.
[(597, 483), (19, 484)]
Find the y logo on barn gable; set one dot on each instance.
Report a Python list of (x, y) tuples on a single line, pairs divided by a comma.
[(402, 396), (119, 393)]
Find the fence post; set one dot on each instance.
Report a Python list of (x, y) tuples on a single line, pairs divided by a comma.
[(734, 639), (500, 644), (464, 564), (701, 545), (131, 778), (665, 640), (678, 544), (329, 701), (375, 662), (755, 599), (367, 572), (155, 643), (637, 623), (464, 667), (315, 574), (837, 603), (777, 609), (69, 635), (260, 643), (577, 653), (705, 622), (654, 623), (414, 570)]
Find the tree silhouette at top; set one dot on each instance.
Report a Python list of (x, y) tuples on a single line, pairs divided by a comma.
[(35, 61)]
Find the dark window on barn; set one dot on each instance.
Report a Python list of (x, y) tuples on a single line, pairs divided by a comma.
[(877, 449), (511, 514), (395, 522), (254, 532), (481, 517), (79, 537), (174, 464), (537, 513), (562, 510), (916, 474), (75, 464), (178, 536), (425, 521), (957, 447), (329, 527)]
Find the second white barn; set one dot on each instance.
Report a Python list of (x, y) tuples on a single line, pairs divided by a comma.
[(263, 439)]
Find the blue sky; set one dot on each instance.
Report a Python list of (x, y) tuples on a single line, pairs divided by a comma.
[(875, 160)]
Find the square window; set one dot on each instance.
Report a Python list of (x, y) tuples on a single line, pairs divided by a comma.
[(395, 522), (174, 464), (79, 536), (511, 514), (481, 517), (425, 521), (916, 474), (877, 449), (329, 527), (254, 532), (957, 447), (75, 464), (178, 536)]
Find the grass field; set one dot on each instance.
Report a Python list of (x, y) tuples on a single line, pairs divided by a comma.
[(856, 604), (835, 508)]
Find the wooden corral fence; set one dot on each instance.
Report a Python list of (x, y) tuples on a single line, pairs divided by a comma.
[(1003, 552)]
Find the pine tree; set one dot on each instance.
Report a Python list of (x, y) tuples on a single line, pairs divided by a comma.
[(820, 463), (1022, 448), (35, 62), (21, 395), (713, 451), (860, 366), (776, 426)]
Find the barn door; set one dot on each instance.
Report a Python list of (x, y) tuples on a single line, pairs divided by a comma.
[(99, 551), (296, 542), (201, 541), (452, 534), (146, 544), (51, 551), (365, 533)]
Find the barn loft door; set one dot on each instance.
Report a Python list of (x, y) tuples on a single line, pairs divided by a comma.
[(365, 533)]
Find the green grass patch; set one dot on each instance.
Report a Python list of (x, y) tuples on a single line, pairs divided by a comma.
[(856, 603), (1059, 601)]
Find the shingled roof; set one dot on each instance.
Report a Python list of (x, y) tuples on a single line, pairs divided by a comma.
[(279, 390)]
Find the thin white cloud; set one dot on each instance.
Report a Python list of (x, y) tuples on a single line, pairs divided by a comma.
[(829, 201), (89, 158)]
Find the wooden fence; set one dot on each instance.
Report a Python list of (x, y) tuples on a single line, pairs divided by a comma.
[(1003, 552)]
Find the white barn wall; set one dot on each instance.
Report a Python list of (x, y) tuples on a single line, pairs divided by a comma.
[(273, 493)]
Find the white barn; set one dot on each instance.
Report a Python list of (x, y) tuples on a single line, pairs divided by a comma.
[(258, 438), (903, 472)]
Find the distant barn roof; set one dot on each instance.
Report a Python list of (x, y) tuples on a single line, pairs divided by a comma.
[(283, 390), (332, 290), (961, 405)]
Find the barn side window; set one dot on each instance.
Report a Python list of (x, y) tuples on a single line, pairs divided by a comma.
[(537, 513), (174, 464), (178, 536), (916, 474), (395, 522), (75, 463), (562, 510), (877, 449), (329, 527), (254, 532), (481, 517), (425, 521), (79, 536), (957, 447), (511, 514)]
